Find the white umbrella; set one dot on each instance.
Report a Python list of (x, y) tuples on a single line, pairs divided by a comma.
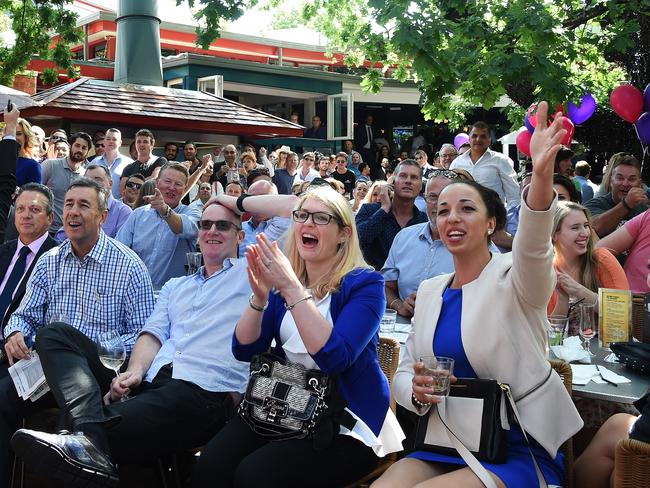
[(18, 98)]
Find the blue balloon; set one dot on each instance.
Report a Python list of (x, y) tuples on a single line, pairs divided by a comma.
[(581, 114), (528, 125)]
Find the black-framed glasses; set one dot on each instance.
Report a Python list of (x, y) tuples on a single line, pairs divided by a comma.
[(447, 173), (431, 198), (220, 225), (133, 185), (318, 218)]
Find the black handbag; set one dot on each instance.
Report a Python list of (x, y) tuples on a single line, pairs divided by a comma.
[(284, 400), (634, 355), (471, 403)]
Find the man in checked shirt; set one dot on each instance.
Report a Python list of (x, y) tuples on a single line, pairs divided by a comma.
[(88, 285)]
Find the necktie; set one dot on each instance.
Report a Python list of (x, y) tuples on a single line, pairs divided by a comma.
[(368, 130), (13, 281)]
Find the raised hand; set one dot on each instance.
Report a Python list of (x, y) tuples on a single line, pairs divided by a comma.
[(156, 201), (545, 142)]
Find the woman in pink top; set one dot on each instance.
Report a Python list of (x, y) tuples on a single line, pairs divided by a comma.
[(634, 236)]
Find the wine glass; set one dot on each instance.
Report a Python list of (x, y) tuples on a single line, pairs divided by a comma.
[(587, 325), (111, 351)]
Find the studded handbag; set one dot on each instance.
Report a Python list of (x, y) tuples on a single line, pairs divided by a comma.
[(284, 400)]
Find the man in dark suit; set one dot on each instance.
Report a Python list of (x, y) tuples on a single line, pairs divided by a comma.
[(364, 141), (8, 156), (18, 257)]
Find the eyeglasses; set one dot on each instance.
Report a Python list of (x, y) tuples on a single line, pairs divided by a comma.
[(318, 218), (99, 145), (220, 225), (447, 173), (133, 185), (308, 159)]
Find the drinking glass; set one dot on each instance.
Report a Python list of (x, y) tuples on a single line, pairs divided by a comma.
[(388, 321), (111, 351), (587, 325), (440, 368), (193, 260), (557, 329)]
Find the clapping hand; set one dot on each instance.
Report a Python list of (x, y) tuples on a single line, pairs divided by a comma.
[(269, 268)]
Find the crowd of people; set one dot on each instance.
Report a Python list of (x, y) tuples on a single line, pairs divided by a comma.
[(301, 253)]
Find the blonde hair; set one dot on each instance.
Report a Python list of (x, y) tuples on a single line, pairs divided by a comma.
[(29, 137), (348, 255), (371, 190), (588, 276)]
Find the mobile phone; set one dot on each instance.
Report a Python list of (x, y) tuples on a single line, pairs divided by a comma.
[(10, 106)]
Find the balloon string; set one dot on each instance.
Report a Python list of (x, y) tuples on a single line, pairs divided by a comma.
[(644, 148)]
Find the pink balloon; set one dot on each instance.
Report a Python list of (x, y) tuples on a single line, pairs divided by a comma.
[(531, 113), (627, 102), (570, 129), (460, 139), (523, 141)]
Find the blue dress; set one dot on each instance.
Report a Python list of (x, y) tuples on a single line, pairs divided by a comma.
[(519, 470)]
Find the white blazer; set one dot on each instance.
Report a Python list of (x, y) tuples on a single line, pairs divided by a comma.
[(503, 329)]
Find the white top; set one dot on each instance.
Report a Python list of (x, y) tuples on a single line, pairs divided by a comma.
[(493, 170), (391, 436)]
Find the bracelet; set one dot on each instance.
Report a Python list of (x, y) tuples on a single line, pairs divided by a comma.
[(417, 402), (391, 304), (626, 205), (290, 307), (240, 202), (255, 307)]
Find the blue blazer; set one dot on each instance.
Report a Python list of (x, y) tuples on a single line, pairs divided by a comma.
[(350, 351)]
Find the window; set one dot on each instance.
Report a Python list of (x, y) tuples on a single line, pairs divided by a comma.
[(175, 83), (211, 84), (99, 51), (340, 114), (164, 51)]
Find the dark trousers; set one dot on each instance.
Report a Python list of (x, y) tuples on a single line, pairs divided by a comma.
[(237, 457)]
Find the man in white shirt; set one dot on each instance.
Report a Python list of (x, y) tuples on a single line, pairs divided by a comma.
[(490, 168), (114, 160)]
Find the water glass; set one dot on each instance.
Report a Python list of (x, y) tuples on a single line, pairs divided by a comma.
[(441, 369), (193, 262), (557, 329), (388, 321)]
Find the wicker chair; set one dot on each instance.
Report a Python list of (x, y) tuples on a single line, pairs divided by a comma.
[(388, 351), (638, 315), (563, 369), (631, 464)]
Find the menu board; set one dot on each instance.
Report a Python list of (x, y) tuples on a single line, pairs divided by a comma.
[(614, 315)]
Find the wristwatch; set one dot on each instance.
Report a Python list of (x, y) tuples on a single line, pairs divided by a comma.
[(167, 213)]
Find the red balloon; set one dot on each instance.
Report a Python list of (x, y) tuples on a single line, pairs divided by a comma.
[(627, 102), (523, 141), (570, 129)]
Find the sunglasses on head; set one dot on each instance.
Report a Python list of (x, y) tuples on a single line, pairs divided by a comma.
[(220, 225), (447, 173), (133, 185)]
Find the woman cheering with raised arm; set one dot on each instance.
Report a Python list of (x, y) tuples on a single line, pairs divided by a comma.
[(490, 317), (322, 305)]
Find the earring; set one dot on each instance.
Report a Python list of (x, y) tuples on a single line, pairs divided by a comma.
[(490, 232)]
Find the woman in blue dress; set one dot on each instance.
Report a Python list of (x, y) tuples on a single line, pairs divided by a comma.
[(490, 316), (28, 169)]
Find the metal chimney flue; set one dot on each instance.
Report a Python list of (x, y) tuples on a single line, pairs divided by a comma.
[(137, 59)]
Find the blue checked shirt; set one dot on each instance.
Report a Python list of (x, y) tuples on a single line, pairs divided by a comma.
[(109, 289), (194, 320), (162, 251)]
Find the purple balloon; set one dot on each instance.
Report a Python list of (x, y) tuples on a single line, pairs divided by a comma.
[(460, 139), (581, 114), (643, 128), (646, 98), (528, 125)]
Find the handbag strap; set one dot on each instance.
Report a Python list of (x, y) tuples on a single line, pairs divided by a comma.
[(471, 460)]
